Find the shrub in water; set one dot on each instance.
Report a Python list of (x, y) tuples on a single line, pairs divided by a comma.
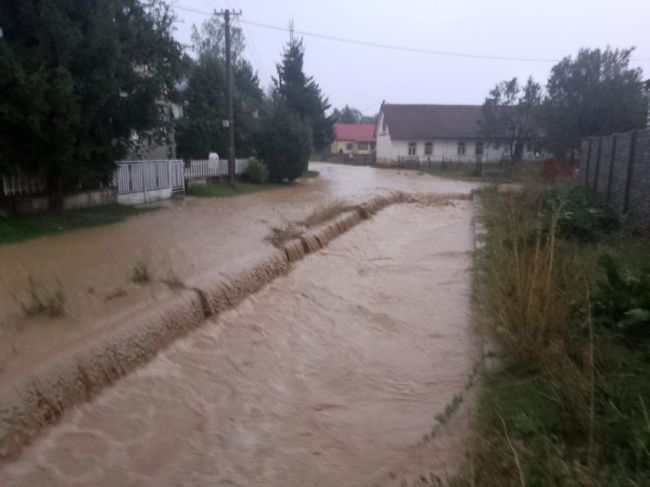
[(256, 172)]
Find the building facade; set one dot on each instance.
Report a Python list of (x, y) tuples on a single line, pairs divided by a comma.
[(435, 133), (353, 139)]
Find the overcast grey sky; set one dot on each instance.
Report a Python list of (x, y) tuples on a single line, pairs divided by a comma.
[(363, 76)]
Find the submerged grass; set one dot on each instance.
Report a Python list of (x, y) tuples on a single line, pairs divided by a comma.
[(324, 214), (17, 228), (280, 235), (225, 190), (43, 301), (291, 231), (568, 405)]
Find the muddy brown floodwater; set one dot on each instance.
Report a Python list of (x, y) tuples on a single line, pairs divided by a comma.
[(194, 241), (329, 376)]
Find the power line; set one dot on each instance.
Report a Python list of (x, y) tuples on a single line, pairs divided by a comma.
[(256, 57), (397, 48)]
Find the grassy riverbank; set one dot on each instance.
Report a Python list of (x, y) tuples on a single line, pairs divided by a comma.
[(564, 295), (226, 190), (16, 228)]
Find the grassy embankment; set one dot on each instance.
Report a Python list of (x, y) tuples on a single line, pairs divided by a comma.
[(565, 297), (224, 189), (16, 228)]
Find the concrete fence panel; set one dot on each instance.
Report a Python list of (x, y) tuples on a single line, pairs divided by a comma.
[(585, 149), (619, 172), (639, 187), (594, 154), (602, 166), (617, 168)]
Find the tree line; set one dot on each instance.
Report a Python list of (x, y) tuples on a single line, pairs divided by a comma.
[(595, 93), (81, 81)]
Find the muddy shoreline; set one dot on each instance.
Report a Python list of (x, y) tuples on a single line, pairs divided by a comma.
[(33, 403)]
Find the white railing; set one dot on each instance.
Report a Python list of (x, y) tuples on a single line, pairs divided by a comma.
[(17, 185), (139, 176), (211, 168)]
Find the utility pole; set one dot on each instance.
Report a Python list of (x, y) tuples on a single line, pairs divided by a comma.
[(231, 122)]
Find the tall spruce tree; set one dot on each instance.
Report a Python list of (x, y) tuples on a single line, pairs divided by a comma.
[(77, 78), (302, 94)]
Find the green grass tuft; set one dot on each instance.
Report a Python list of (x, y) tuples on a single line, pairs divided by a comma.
[(17, 228), (568, 405), (225, 190)]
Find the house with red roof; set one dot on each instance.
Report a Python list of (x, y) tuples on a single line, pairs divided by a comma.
[(353, 139)]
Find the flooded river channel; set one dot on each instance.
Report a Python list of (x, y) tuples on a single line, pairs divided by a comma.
[(329, 376)]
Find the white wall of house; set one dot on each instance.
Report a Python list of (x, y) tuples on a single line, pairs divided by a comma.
[(390, 151)]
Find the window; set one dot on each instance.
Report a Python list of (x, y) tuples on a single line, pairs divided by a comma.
[(349, 146), (363, 145), (478, 149), (372, 146), (461, 148), (428, 148), (529, 147), (413, 147)]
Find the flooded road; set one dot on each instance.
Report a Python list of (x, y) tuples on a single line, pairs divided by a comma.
[(195, 240), (328, 376)]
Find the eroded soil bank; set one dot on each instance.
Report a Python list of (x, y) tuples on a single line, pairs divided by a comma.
[(331, 375)]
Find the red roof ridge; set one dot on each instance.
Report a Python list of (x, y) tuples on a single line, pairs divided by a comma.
[(356, 132)]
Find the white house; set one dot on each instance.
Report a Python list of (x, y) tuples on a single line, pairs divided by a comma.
[(435, 133)]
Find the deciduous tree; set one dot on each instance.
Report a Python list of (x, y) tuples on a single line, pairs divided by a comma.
[(201, 130), (595, 93), (78, 77), (511, 115)]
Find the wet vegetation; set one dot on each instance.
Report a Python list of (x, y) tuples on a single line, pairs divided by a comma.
[(325, 213), (256, 171), (16, 228), (173, 282), (44, 302), (225, 190), (140, 273), (293, 230), (564, 289), (280, 235)]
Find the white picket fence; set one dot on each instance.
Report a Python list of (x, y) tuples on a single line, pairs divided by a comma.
[(18, 185), (140, 181), (139, 176), (209, 168)]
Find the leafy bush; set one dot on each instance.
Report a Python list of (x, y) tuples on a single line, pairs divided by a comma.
[(579, 216), (622, 301), (256, 172), (284, 143)]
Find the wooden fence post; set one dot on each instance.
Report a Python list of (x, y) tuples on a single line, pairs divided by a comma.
[(630, 164)]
